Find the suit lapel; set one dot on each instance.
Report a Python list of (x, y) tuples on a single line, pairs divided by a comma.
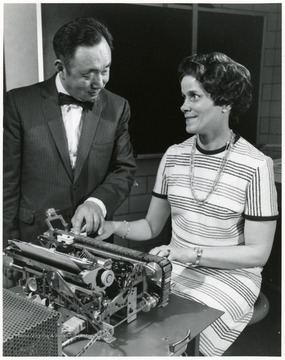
[(90, 124), (53, 116), (52, 113)]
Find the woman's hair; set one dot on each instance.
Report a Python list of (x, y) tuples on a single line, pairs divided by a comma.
[(79, 32), (227, 82)]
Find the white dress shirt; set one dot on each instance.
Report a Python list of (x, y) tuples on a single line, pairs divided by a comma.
[(72, 120)]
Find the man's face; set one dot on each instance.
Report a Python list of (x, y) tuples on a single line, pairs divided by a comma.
[(88, 71)]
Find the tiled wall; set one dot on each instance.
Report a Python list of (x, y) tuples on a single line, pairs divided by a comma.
[(269, 120), (136, 204), (270, 115)]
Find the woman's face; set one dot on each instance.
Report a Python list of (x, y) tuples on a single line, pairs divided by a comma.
[(201, 114)]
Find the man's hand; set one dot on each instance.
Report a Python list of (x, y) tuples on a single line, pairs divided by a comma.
[(91, 214)]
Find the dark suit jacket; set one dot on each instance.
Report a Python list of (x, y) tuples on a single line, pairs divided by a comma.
[(37, 172)]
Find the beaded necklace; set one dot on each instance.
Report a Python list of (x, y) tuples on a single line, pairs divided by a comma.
[(228, 149)]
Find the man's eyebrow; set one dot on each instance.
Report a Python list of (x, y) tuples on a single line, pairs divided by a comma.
[(95, 70)]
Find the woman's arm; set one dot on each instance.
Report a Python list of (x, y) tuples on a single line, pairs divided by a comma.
[(259, 236), (144, 229)]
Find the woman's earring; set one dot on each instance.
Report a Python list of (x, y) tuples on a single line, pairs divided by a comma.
[(226, 108)]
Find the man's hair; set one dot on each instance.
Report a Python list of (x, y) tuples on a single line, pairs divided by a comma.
[(79, 32), (227, 82)]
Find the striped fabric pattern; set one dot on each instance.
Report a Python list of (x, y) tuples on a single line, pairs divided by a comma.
[(246, 191), (231, 291)]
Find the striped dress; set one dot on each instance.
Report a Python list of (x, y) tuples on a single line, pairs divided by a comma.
[(246, 191)]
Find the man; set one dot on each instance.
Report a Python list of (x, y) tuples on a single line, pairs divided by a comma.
[(74, 157)]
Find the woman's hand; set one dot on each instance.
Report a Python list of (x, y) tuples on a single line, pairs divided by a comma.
[(163, 250), (183, 255), (107, 231)]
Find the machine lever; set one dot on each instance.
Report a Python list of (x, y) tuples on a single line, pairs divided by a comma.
[(173, 347)]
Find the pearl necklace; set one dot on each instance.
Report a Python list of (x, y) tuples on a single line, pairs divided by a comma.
[(228, 149)]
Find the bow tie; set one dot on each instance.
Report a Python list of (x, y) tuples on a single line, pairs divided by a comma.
[(64, 99)]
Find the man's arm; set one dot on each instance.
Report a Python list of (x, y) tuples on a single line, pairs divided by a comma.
[(120, 178), (11, 170), (117, 183)]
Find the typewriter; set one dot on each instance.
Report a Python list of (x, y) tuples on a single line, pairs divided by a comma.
[(94, 285)]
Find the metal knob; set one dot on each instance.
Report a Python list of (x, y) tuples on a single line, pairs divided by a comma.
[(107, 277), (149, 303)]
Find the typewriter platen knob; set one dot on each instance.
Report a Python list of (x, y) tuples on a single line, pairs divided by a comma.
[(107, 277), (32, 284)]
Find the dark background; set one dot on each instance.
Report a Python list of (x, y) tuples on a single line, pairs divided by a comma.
[(149, 43)]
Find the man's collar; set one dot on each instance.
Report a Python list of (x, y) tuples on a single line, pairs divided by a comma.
[(59, 86)]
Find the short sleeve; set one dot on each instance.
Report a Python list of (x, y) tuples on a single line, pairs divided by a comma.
[(261, 196), (161, 188)]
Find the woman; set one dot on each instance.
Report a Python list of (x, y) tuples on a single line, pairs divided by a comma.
[(220, 193)]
